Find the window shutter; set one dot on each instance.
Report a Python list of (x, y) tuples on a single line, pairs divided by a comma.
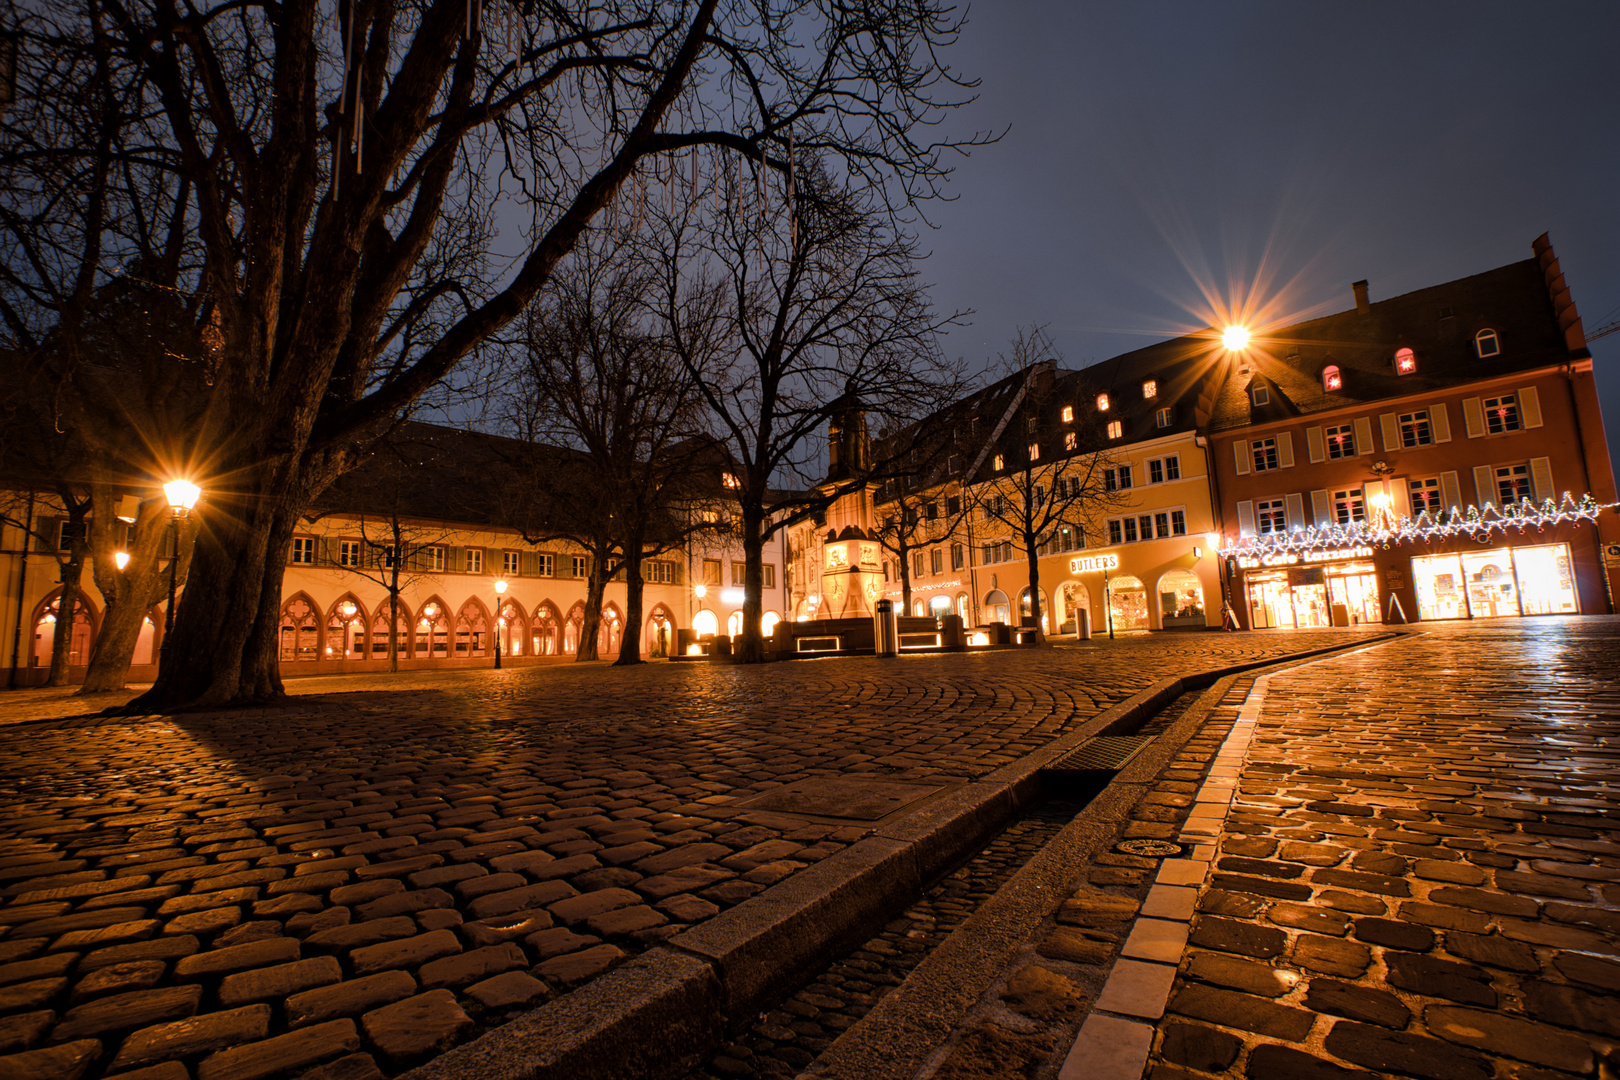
[(530, 562), (455, 559), (1541, 478), (1530, 406), (1246, 517), (1364, 443), (1241, 450), (1314, 444), (329, 551), (1400, 500), (1484, 486), (1473, 417), (1439, 423), (1370, 491), (1321, 509), (1295, 505), (1285, 449), (1392, 431), (1450, 492)]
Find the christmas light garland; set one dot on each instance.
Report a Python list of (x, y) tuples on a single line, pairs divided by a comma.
[(1388, 529)]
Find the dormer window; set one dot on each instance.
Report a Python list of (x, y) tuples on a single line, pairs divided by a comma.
[(1102, 402), (1486, 343), (1405, 362), (1260, 395), (729, 480), (1115, 429), (1150, 389), (1068, 414), (1000, 463), (1331, 379)]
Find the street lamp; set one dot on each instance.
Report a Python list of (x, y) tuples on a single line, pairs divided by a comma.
[(182, 496), (121, 559), (500, 591), (347, 610)]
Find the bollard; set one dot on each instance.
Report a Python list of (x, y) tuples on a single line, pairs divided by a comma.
[(885, 629), (1083, 623)]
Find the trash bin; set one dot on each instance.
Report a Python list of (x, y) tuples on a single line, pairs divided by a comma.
[(885, 629), (1083, 623)]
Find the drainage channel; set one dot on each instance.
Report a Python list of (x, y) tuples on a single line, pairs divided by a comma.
[(785, 1040)]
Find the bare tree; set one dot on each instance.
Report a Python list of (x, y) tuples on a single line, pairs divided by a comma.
[(1048, 476), (788, 322), (339, 185)]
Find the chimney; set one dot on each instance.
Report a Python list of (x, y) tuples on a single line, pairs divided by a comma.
[(1360, 289)]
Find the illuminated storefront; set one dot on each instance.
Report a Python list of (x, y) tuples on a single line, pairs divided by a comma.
[(1325, 588), (1531, 580)]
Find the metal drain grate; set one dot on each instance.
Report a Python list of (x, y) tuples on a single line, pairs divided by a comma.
[(1105, 753)]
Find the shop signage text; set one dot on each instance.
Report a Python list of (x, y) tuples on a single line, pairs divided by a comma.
[(1294, 558), (1090, 563)]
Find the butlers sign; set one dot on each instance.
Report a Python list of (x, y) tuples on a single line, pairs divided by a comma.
[(1092, 563)]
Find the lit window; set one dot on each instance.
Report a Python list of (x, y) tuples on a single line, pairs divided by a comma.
[(1405, 362), (1270, 516), (1068, 414), (1486, 343), (1150, 389), (1034, 451), (1070, 440), (1265, 455), (1425, 495), (1163, 417), (1341, 441), (1513, 483), (1502, 414), (1102, 402), (303, 551), (1349, 506), (711, 571), (729, 480), (1331, 379), (1000, 463), (475, 561), (1260, 395), (1116, 429), (1415, 429)]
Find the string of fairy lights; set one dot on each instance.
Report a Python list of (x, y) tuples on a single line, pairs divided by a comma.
[(1386, 529)]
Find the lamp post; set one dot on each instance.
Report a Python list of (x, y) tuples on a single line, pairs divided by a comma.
[(500, 591), (182, 496), (347, 610)]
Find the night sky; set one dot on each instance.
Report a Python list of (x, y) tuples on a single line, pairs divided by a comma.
[(1166, 156)]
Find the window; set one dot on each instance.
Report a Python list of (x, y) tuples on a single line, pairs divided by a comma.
[(350, 552), (1155, 472), (1102, 402), (767, 576), (1039, 496), (953, 505), (1260, 395), (916, 564), (475, 561), (739, 573), (1034, 451), (1502, 414), (388, 557), (1405, 362), (1150, 389), (1331, 379), (1130, 530), (711, 571), (994, 505), (658, 572), (1068, 414), (1270, 516), (303, 551), (953, 464), (1162, 469), (548, 564), (579, 566), (1032, 425), (957, 555), (1162, 522), (1265, 454), (1146, 521), (1415, 429), (1068, 539), (936, 559), (1000, 463), (1341, 441), (509, 564), (433, 559), (1425, 495), (1349, 506), (1115, 429), (69, 531), (931, 510), (1163, 417), (1513, 482), (1486, 343), (1114, 535), (729, 480), (1070, 440), (1117, 479)]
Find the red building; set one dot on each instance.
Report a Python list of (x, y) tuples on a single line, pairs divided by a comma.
[(1438, 455)]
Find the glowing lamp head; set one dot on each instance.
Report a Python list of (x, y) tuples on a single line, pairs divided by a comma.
[(182, 494), (700, 591), (348, 609), (1235, 338), (500, 587), (1214, 541), (121, 559)]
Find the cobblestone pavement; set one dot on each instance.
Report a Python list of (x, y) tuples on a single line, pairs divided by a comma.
[(1419, 875), (353, 881)]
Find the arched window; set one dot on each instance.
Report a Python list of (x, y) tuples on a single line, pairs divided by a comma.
[(705, 623), (1486, 343), (1331, 379), (1405, 362)]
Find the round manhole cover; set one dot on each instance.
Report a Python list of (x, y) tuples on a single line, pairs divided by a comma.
[(1152, 849)]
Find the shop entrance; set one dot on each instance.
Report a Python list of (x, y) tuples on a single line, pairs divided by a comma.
[(1307, 596), (1354, 599), (1534, 580)]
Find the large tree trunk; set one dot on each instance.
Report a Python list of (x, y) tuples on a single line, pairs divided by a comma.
[(130, 592), (749, 648), (1032, 550), (630, 640), (590, 626), (393, 596), (67, 610)]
